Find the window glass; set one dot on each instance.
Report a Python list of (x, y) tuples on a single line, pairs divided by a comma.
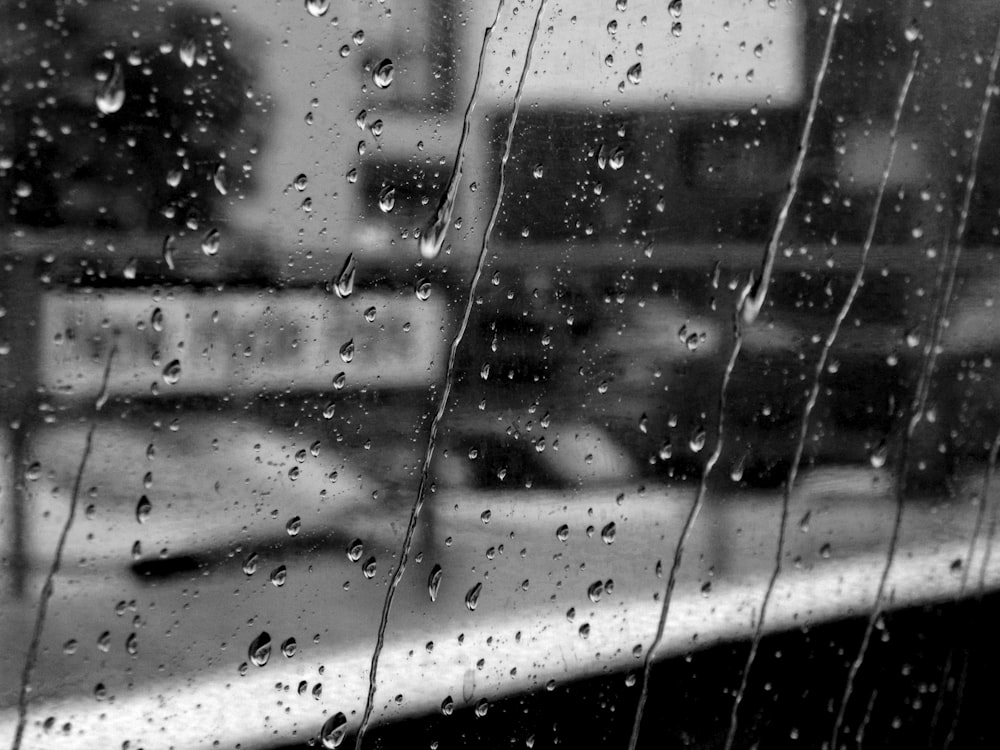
[(505, 373)]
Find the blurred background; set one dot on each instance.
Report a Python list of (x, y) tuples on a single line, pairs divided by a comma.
[(466, 370)]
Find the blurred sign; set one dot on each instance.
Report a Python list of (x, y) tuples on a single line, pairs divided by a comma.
[(236, 342), (716, 53)]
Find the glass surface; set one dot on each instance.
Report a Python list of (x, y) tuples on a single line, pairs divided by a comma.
[(508, 373)]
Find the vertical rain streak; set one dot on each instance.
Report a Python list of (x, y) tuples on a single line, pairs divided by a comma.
[(757, 296), (814, 393), (446, 391), (923, 388), (433, 236)]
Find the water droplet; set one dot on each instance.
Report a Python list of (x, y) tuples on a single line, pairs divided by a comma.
[(279, 575), (111, 94), (301, 182), (879, 455), (335, 728), (912, 31), (347, 351), (316, 9), (294, 526), (187, 52), (666, 450), (676, 28), (370, 314), (169, 246), (339, 380), (143, 509), (472, 597), (132, 644), (250, 563), (172, 372), (219, 179), (486, 516), (423, 290), (369, 567), (482, 706), (382, 74), (675, 8), (131, 268), (584, 630), (562, 533), (617, 159), (608, 533), (104, 641), (343, 286), (595, 590), (736, 473), (825, 551), (260, 649), (635, 74), (210, 242), (434, 582), (697, 441), (355, 549), (288, 648), (448, 706), (387, 199)]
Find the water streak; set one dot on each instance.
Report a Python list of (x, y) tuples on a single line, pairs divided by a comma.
[(814, 394), (446, 392), (433, 235), (757, 296), (917, 411)]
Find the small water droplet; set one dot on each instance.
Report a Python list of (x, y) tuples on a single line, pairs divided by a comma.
[(187, 52), (697, 441), (595, 590), (879, 455), (423, 290), (912, 31), (448, 706), (825, 551), (635, 74), (387, 199), (562, 533), (169, 246), (301, 182), (369, 567), (370, 314), (382, 74), (219, 179), (250, 564), (142, 509), (172, 372), (347, 351), (608, 533), (339, 380), (104, 641), (334, 730), (132, 644), (111, 94), (434, 582), (210, 242), (343, 285), (355, 549), (279, 575), (675, 7), (131, 268), (288, 648), (294, 526), (260, 649)]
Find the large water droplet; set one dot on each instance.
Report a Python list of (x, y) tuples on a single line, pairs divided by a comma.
[(608, 533), (675, 8), (448, 706), (635, 74), (369, 567), (260, 649), (294, 526), (316, 9), (172, 372), (250, 564), (279, 575), (333, 731), (423, 290), (562, 533), (343, 285), (697, 441), (111, 94), (434, 582), (156, 320), (288, 647), (595, 590), (382, 74), (472, 598)]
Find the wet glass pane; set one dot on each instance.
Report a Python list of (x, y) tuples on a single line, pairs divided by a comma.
[(511, 374)]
